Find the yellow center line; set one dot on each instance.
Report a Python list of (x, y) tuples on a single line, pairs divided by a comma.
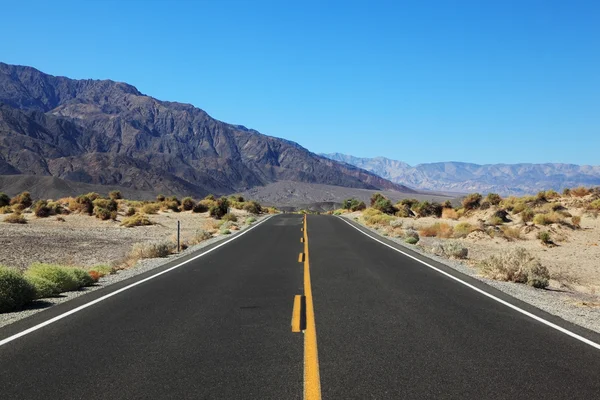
[(312, 379)]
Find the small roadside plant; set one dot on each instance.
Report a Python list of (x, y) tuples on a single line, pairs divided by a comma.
[(15, 291), (188, 204), (229, 217), (250, 220), (15, 218), (136, 220), (463, 229), (544, 237), (576, 220), (150, 208), (43, 287), (411, 236), (516, 265)]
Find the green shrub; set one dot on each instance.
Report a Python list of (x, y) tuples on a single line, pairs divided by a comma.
[(56, 208), (566, 192), (93, 196), (104, 214), (115, 195), (527, 215), (411, 240), (426, 209), (353, 205), (4, 200), (253, 207), (103, 270), (516, 266), (544, 237), (225, 232), (82, 204), (372, 217), (250, 220), (220, 208), (495, 220), (23, 199), (381, 203), (107, 204), (41, 209), (211, 197), (493, 198), (150, 208), (15, 218), (57, 274), (472, 201), (130, 212), (595, 205), (171, 205), (547, 219), (15, 290), (188, 204), (462, 229), (82, 277), (229, 217), (200, 207), (43, 287), (136, 220)]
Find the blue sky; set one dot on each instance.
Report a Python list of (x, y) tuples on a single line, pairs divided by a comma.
[(419, 81)]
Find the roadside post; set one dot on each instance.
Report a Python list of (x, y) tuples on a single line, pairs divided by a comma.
[(178, 235)]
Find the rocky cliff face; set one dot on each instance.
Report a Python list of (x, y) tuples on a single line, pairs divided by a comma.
[(506, 179), (105, 132)]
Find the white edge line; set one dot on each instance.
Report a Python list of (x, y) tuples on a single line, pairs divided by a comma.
[(491, 296), (98, 300)]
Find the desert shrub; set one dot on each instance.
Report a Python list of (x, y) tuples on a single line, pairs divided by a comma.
[(82, 204), (462, 229), (62, 276), (516, 265), (495, 221), (519, 207), (472, 201), (152, 250), (383, 204), (566, 192), (454, 249), (4, 200), (136, 220), (447, 204), (229, 217), (41, 209), (449, 213), (95, 275), (101, 270), (104, 214), (396, 223), (250, 220), (82, 277), (426, 209), (211, 197), (511, 233), (540, 197), (56, 208), (43, 287), (576, 220), (6, 210), (93, 196), (527, 215), (115, 195), (408, 202), (411, 240), (253, 207), (188, 204), (150, 208), (403, 211), (200, 207), (220, 208), (544, 237), (372, 217), (171, 205), (201, 235), (23, 199), (552, 194), (580, 191), (441, 230), (493, 198), (594, 205), (160, 198), (225, 232), (130, 211), (107, 204), (15, 290), (15, 218), (547, 219)]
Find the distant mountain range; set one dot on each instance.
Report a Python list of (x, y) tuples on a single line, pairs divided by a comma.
[(506, 179), (103, 132)]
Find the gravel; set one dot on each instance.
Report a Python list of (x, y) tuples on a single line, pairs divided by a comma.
[(141, 267), (559, 303)]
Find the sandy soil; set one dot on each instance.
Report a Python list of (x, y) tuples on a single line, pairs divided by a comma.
[(86, 241), (574, 260)]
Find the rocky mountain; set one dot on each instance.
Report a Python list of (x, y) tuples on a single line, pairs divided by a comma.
[(108, 133), (506, 179)]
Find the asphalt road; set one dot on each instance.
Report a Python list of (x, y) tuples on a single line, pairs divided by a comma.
[(387, 327)]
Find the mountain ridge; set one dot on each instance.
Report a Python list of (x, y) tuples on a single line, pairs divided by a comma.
[(109, 133), (454, 176)]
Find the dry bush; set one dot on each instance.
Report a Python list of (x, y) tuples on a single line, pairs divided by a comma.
[(82, 204), (440, 230), (6, 210), (517, 265), (495, 220), (472, 201), (130, 212), (551, 194), (373, 217), (463, 229), (527, 215), (41, 209), (4, 200), (576, 220), (200, 236), (449, 213), (150, 208), (594, 205), (151, 250), (229, 217), (511, 233), (15, 218), (580, 191), (23, 199), (136, 220), (544, 237), (188, 204), (493, 198), (547, 219)]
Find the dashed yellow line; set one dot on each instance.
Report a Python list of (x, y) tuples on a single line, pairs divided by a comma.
[(301, 257), (312, 379), (296, 314)]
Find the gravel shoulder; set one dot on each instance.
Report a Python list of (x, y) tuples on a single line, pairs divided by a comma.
[(140, 267), (562, 303)]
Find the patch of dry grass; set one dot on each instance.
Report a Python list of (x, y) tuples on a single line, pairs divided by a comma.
[(449, 213), (440, 230), (15, 218), (136, 220)]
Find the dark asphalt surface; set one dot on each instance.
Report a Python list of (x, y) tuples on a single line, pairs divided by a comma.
[(390, 328), (219, 328), (216, 328)]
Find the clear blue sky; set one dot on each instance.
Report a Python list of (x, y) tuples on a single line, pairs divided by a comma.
[(420, 81)]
